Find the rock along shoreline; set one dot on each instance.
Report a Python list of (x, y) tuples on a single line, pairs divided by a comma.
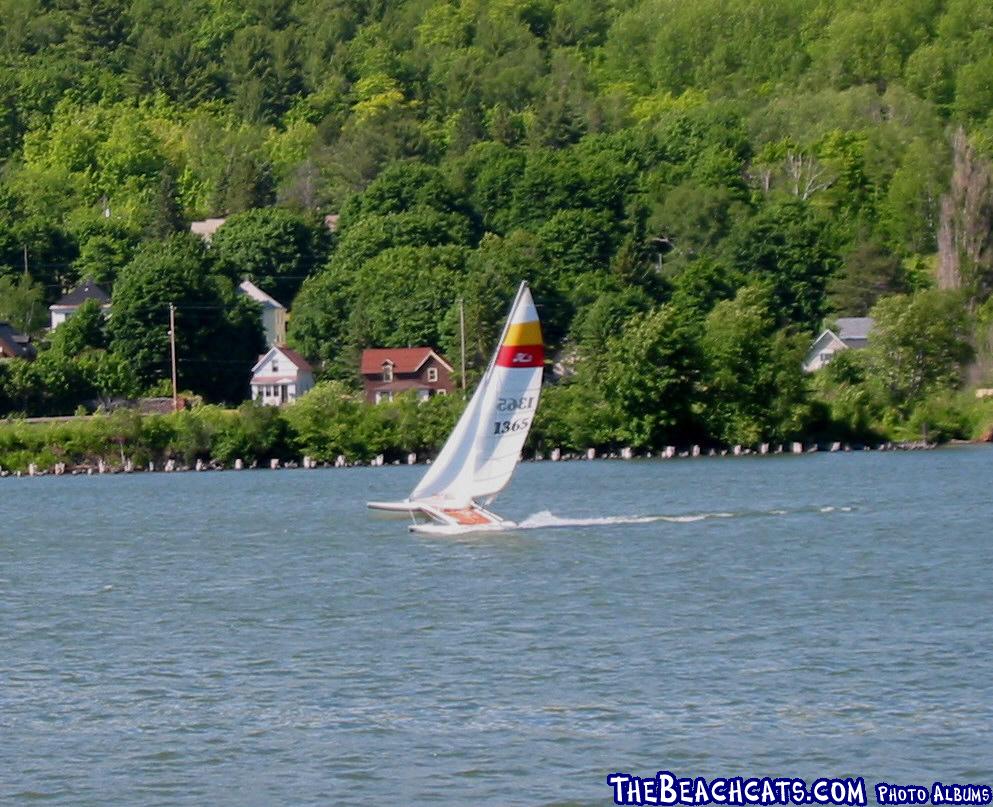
[(102, 467)]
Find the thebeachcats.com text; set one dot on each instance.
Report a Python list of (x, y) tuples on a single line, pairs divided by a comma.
[(666, 788)]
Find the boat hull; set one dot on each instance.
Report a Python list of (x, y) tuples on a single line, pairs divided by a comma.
[(434, 528), (442, 517)]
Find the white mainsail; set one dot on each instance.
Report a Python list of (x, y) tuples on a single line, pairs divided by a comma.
[(482, 451)]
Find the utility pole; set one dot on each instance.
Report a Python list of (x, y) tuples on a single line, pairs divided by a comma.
[(172, 344), (462, 334)]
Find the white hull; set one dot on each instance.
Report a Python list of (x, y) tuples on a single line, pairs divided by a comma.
[(459, 529), (397, 510), (442, 517)]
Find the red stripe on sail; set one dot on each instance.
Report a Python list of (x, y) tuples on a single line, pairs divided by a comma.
[(521, 356)]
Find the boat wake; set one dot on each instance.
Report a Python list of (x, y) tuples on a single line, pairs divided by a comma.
[(546, 519)]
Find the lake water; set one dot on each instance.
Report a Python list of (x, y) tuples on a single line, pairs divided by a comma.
[(256, 638)]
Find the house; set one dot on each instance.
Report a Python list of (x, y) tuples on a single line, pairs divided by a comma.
[(206, 228), (850, 333), (14, 344), (389, 371), (273, 313), (69, 303), (280, 376)]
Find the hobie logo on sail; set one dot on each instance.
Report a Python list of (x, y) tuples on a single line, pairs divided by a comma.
[(521, 356)]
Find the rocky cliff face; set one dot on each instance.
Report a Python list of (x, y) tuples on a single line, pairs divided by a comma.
[(965, 235)]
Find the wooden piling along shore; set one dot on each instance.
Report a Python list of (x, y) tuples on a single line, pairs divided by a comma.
[(102, 467)]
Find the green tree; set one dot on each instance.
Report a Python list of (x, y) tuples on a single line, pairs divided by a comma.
[(327, 421), (22, 303), (86, 329), (919, 344), (910, 212), (274, 248), (870, 271), (651, 376), (319, 325), (257, 433), (218, 334), (754, 386), (400, 188), (489, 173), (406, 296), (786, 246)]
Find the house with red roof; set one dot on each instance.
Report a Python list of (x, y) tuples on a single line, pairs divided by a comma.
[(280, 376), (388, 371)]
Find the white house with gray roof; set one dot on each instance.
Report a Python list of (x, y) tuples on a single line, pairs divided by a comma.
[(849, 333), (70, 302)]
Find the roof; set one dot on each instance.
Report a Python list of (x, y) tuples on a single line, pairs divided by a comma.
[(206, 228), (403, 385), (404, 359), (289, 354), (854, 327), (248, 288), (824, 340), (87, 290), (14, 343), (258, 380)]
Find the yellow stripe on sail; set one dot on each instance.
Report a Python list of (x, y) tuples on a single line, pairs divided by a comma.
[(523, 333)]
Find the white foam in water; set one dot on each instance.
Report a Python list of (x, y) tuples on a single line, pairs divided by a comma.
[(547, 519)]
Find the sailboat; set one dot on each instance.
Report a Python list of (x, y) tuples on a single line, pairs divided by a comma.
[(483, 450)]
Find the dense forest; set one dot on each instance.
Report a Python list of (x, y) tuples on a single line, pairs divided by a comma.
[(693, 190)]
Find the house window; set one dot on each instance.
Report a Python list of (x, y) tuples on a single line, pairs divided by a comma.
[(440, 392), (423, 394), (387, 371), (275, 366), (432, 373), (383, 396)]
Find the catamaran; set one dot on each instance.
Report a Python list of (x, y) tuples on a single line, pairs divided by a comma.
[(480, 455)]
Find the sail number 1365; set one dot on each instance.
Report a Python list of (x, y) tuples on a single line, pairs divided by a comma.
[(515, 404), (505, 426)]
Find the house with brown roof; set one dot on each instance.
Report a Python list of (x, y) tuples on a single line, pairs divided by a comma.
[(281, 376), (386, 372), (14, 344), (70, 302)]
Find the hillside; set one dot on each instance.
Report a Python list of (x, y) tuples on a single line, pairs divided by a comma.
[(692, 188)]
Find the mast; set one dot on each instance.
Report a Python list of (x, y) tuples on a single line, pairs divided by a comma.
[(462, 334), (172, 345)]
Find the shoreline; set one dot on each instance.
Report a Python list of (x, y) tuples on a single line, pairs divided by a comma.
[(171, 466)]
